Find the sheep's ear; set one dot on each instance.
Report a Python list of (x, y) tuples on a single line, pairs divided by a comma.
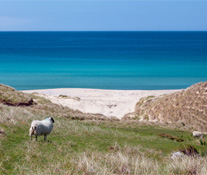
[(53, 121), (34, 128)]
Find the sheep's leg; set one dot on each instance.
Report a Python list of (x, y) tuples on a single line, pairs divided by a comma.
[(31, 137), (45, 138), (36, 137)]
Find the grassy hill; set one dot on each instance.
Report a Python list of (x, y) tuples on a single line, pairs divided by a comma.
[(188, 107), (80, 145)]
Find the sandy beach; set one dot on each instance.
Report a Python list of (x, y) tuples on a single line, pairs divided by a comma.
[(110, 103)]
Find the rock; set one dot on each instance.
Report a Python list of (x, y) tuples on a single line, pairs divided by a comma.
[(177, 155), (199, 134)]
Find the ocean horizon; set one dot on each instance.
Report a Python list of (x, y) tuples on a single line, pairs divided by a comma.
[(103, 60)]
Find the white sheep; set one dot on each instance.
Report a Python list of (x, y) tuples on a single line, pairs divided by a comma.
[(199, 134), (41, 127)]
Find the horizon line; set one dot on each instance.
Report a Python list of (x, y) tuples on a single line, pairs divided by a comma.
[(104, 31)]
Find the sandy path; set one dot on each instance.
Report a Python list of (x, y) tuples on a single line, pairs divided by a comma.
[(107, 102)]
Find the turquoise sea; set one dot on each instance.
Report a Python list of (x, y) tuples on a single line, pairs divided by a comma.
[(103, 60)]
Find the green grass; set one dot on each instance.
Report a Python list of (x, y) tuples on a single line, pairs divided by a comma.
[(91, 144), (71, 139)]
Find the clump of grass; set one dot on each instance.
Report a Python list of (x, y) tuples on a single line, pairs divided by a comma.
[(67, 97), (190, 151), (171, 137), (202, 142), (63, 96)]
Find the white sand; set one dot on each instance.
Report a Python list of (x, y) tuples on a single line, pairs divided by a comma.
[(107, 102)]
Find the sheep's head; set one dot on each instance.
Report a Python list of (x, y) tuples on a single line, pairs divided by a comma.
[(33, 130), (51, 119)]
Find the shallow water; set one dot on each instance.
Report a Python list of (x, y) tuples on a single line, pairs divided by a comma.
[(103, 60)]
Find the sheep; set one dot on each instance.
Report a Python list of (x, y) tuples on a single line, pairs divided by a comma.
[(199, 134), (41, 127)]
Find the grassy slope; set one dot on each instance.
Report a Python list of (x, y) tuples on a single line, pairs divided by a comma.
[(90, 146), (72, 141)]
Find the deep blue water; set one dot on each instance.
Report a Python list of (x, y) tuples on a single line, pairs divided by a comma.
[(104, 60)]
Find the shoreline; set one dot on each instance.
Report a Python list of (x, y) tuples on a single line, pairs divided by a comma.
[(111, 103)]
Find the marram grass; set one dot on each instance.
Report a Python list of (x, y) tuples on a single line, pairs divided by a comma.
[(92, 144), (92, 147)]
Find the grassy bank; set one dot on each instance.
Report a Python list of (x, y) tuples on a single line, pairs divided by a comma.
[(90, 144), (95, 147)]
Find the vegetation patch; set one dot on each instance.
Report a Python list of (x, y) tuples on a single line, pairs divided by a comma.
[(94, 145), (190, 151), (11, 97), (63, 96), (171, 137), (188, 107)]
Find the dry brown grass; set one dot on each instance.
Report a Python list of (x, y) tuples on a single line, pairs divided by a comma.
[(10, 96), (129, 160), (188, 165), (188, 107), (126, 160)]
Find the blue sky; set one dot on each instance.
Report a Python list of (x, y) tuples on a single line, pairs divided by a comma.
[(107, 15)]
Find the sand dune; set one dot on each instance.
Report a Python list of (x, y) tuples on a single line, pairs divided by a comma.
[(107, 102)]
